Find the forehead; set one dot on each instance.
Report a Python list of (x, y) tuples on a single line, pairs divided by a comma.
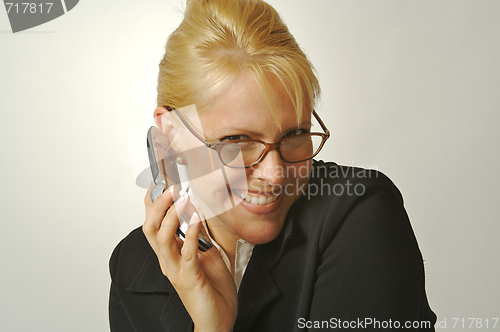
[(243, 106)]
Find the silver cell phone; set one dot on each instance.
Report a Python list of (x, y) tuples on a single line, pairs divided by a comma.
[(165, 175)]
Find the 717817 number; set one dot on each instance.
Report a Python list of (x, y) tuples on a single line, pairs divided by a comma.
[(28, 7), (475, 322)]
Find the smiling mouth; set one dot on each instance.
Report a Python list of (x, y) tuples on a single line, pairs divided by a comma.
[(257, 199)]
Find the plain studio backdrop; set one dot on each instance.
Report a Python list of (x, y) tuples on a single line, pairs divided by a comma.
[(409, 87)]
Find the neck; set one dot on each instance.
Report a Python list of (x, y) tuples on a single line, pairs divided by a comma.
[(224, 237)]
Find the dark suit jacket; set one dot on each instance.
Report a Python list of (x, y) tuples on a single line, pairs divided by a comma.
[(347, 256)]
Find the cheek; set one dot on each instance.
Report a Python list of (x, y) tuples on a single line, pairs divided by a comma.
[(237, 178), (299, 178), (213, 190), (304, 171), (211, 194)]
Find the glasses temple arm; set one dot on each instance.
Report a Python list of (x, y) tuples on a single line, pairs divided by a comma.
[(188, 126), (321, 123)]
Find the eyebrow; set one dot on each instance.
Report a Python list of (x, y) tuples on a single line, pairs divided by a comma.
[(245, 131)]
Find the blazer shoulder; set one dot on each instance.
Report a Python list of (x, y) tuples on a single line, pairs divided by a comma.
[(339, 196), (132, 250), (351, 182)]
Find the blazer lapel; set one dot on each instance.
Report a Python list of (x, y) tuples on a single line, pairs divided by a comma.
[(150, 279), (252, 298)]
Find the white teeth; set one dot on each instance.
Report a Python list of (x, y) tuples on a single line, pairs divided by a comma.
[(261, 199)]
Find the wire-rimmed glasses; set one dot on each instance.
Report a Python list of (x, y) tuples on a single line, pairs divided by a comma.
[(293, 149)]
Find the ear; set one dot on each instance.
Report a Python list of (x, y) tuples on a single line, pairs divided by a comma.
[(166, 124), (159, 115)]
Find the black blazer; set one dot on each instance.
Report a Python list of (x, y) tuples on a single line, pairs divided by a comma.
[(346, 257)]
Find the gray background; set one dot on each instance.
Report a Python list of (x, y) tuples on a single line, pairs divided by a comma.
[(409, 88)]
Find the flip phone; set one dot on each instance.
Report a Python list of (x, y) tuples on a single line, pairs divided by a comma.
[(165, 175)]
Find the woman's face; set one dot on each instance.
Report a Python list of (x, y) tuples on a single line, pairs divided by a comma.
[(272, 186)]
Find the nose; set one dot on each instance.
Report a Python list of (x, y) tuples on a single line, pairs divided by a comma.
[(270, 169)]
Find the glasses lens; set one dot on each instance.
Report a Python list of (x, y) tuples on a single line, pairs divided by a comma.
[(301, 147), (241, 154)]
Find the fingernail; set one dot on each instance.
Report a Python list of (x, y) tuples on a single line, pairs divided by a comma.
[(167, 192), (194, 219), (183, 199)]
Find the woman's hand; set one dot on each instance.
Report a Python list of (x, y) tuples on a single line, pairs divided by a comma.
[(201, 279)]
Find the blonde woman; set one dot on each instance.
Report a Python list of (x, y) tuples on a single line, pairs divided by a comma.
[(298, 244)]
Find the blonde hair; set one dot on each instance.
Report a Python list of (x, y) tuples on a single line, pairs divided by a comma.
[(218, 40)]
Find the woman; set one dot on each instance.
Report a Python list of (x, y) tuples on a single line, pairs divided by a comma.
[(297, 244)]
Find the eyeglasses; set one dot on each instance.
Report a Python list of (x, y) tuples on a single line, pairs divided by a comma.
[(293, 149)]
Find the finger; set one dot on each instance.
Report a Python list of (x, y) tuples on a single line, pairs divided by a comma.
[(190, 248), (157, 209), (166, 237), (188, 211), (172, 218), (156, 213), (147, 200), (212, 260)]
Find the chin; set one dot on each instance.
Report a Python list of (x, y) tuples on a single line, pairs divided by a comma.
[(260, 232)]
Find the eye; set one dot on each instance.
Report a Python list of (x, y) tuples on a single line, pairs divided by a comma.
[(233, 137), (296, 132)]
